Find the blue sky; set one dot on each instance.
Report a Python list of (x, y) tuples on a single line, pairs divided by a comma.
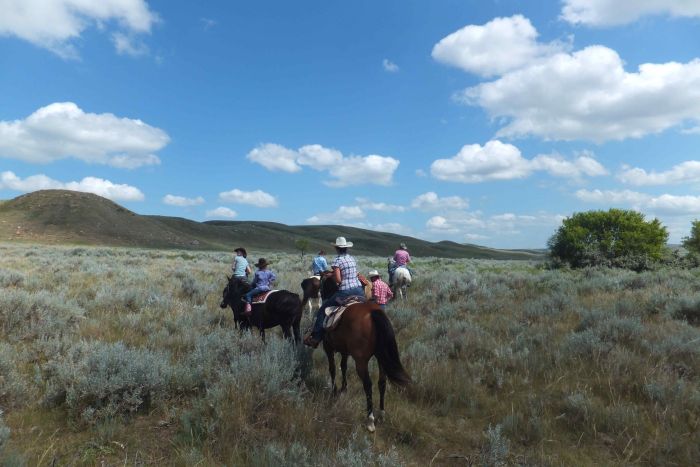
[(484, 122)]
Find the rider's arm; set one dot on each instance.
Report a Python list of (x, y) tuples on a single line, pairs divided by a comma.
[(336, 275), (248, 271)]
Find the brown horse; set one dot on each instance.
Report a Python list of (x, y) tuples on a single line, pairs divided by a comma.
[(311, 288), (364, 331)]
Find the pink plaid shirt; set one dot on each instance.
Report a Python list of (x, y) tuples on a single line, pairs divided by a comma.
[(381, 293)]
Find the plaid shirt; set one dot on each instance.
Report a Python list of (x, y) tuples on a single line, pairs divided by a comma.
[(381, 293), (348, 272)]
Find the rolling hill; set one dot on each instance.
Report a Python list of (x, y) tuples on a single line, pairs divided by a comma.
[(69, 217)]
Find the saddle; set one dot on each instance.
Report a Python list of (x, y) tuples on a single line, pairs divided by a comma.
[(260, 298), (334, 313)]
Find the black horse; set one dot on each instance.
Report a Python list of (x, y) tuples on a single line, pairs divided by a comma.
[(282, 308)]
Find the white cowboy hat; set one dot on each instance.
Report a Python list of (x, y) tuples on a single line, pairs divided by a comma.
[(373, 273), (340, 242)]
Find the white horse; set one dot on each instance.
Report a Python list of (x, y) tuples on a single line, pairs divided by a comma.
[(400, 280)]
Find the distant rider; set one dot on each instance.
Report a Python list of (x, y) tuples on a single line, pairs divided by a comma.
[(381, 292), (345, 275), (401, 259), (319, 265)]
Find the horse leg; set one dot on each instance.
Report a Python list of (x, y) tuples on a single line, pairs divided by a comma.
[(382, 391), (286, 331), (344, 370), (363, 373), (297, 331), (331, 366)]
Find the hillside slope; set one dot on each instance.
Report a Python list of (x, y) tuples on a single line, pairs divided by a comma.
[(60, 216)]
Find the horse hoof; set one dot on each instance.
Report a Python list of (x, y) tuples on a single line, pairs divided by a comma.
[(370, 423)]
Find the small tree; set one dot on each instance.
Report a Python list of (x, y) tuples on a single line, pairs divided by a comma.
[(302, 245), (616, 237), (692, 242)]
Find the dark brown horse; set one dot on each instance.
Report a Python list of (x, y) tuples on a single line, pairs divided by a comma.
[(311, 287), (282, 308), (364, 331)]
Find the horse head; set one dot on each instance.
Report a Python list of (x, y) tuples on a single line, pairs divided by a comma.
[(234, 290)]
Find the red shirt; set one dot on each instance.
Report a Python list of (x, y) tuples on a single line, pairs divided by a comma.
[(402, 257), (381, 293)]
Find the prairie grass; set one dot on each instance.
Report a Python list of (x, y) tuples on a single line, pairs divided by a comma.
[(123, 356)]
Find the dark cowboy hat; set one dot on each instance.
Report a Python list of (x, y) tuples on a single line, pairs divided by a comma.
[(242, 250), (262, 262)]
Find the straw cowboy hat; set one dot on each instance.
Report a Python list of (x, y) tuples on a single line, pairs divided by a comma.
[(373, 273), (242, 250), (403, 246), (340, 242), (262, 262)]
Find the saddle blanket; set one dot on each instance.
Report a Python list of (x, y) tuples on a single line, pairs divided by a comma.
[(261, 298), (334, 313)]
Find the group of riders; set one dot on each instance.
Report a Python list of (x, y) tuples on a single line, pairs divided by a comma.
[(343, 270)]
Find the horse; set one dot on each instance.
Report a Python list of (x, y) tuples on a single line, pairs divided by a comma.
[(364, 331), (311, 288), (282, 308), (400, 280)]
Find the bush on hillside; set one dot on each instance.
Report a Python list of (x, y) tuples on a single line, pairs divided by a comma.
[(613, 238)]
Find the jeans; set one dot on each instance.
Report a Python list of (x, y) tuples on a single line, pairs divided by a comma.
[(253, 292), (332, 301)]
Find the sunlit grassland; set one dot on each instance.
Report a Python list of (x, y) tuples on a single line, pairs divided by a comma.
[(124, 356)]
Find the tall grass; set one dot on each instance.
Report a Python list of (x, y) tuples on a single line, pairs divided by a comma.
[(120, 355)]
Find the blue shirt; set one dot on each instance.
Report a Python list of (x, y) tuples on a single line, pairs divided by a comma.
[(263, 279), (239, 266), (319, 265)]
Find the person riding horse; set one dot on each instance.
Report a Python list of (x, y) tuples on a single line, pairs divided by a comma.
[(319, 265), (345, 275), (240, 266), (401, 259)]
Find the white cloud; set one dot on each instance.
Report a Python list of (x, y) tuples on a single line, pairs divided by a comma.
[(128, 45), (480, 226), (221, 213), (174, 200), (588, 95), (430, 201), (208, 23), (611, 197), (63, 130), (255, 198), (557, 166), (390, 66), (275, 157), (370, 205), (613, 12), (343, 215), (685, 172), (98, 186), (474, 163), (663, 204), (343, 170), (318, 157), (57, 24), (501, 45)]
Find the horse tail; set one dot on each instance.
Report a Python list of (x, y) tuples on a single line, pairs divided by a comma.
[(386, 350)]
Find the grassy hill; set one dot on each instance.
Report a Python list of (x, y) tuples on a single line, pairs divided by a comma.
[(60, 216)]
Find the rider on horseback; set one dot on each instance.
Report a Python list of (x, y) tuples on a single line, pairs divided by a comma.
[(240, 266), (401, 259), (262, 282), (319, 264), (345, 275)]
